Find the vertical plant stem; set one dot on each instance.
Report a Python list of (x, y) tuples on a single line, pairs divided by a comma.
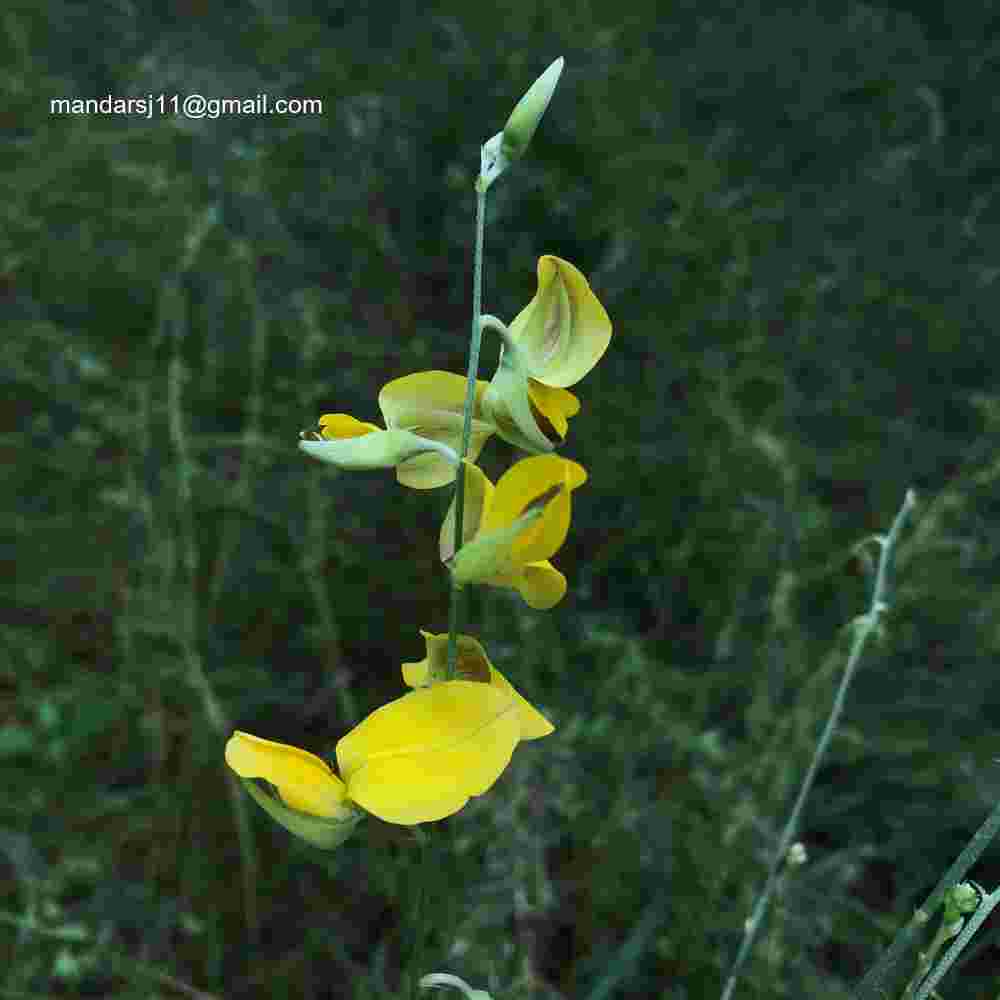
[(475, 342), (864, 626)]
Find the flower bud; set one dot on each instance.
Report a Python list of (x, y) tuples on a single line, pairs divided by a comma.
[(528, 112), (499, 152)]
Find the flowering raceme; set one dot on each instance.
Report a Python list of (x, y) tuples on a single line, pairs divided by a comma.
[(510, 530), (552, 343), (421, 757), (423, 418)]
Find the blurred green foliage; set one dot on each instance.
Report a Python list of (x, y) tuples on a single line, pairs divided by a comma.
[(789, 212)]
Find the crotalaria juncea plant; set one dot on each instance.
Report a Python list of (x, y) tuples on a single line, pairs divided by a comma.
[(420, 757)]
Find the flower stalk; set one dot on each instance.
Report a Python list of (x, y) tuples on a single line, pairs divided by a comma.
[(420, 758), (475, 344)]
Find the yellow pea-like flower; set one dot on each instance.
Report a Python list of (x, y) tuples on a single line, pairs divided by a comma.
[(423, 418), (509, 531), (421, 757), (564, 330), (473, 664), (551, 344), (414, 760)]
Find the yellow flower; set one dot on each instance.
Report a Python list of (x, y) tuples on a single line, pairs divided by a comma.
[(423, 418), (564, 330), (417, 759), (509, 531), (473, 664), (551, 344)]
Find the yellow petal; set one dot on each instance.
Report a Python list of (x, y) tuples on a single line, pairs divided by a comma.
[(471, 664), (431, 405), (420, 757), (415, 674), (534, 725), (564, 331), (342, 425), (303, 780), (478, 497), (552, 405), (474, 664), (541, 479), (541, 585), (425, 472)]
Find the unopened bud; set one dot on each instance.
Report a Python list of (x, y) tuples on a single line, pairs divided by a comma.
[(499, 152), (528, 111)]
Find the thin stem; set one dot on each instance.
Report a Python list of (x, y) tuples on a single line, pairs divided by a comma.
[(865, 625), (470, 397), (872, 985), (985, 908)]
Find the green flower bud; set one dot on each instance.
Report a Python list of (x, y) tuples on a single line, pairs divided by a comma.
[(528, 112), (499, 152), (962, 898)]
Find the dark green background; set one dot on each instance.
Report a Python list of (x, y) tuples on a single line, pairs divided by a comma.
[(790, 214)]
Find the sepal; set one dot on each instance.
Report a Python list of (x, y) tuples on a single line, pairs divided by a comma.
[(320, 831), (376, 449)]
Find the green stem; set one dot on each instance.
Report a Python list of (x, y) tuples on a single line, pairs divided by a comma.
[(872, 985), (973, 923), (476, 340), (865, 625)]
